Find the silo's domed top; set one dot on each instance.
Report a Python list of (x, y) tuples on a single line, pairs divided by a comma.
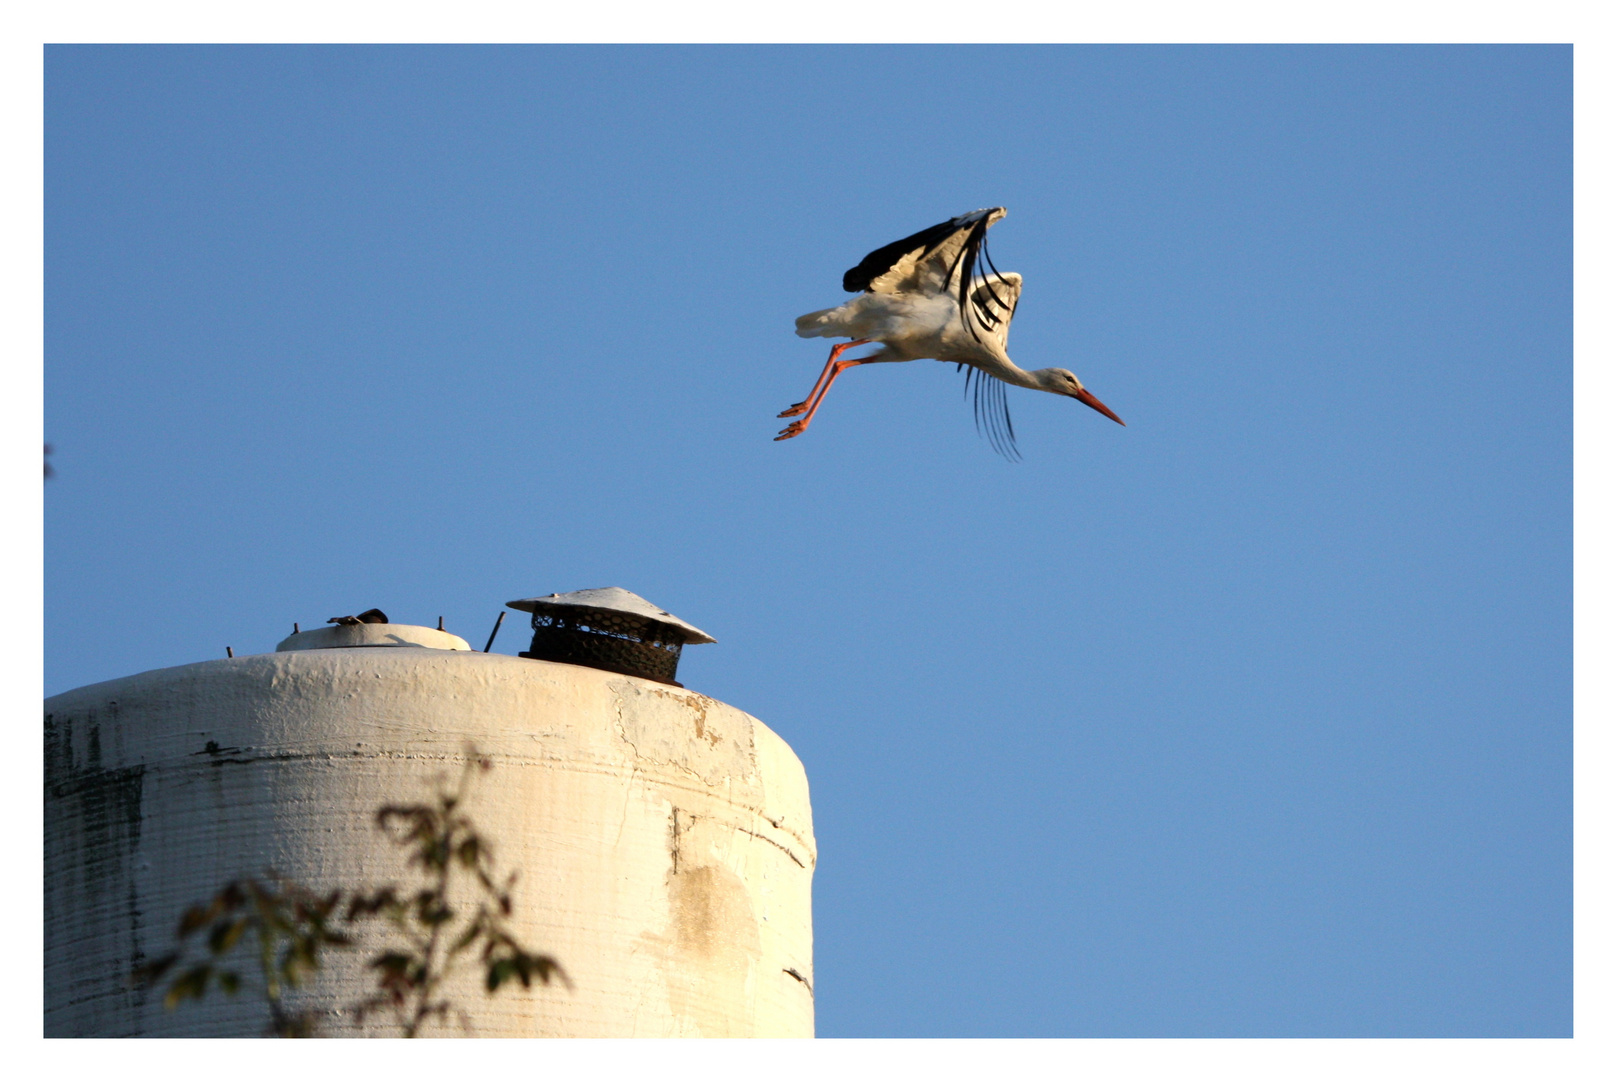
[(373, 635)]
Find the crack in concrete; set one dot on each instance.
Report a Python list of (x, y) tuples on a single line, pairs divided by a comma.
[(622, 733), (776, 843), (801, 978)]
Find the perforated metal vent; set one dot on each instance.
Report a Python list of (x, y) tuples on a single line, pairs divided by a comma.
[(614, 630)]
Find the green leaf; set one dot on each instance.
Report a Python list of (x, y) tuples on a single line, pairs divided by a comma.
[(465, 939), (382, 900), (197, 917), (229, 982), (189, 985), (392, 962), (156, 969), (224, 936)]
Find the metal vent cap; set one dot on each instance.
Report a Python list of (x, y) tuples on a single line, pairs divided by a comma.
[(619, 600), (610, 629)]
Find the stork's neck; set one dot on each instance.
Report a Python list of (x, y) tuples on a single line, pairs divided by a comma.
[(1002, 367)]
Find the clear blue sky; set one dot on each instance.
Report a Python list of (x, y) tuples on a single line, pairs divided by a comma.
[(1251, 718)]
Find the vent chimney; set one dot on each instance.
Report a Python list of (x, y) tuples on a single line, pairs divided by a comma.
[(611, 629)]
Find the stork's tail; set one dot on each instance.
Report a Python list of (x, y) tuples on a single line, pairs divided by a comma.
[(821, 324)]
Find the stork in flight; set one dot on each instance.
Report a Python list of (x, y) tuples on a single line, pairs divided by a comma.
[(920, 298)]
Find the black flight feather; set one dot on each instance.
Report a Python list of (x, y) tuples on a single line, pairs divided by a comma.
[(880, 260), (991, 406)]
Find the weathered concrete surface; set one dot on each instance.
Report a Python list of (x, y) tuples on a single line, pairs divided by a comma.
[(664, 839)]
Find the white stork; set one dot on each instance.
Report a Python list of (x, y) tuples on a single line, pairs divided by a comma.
[(920, 299)]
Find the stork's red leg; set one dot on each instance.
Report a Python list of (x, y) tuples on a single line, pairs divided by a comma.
[(803, 405), (836, 368)]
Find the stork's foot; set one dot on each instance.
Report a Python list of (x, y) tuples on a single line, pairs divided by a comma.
[(795, 410), (792, 431)]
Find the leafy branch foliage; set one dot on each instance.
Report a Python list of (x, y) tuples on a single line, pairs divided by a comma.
[(434, 931), (290, 926), (434, 937)]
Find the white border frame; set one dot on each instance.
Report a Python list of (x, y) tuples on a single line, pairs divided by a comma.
[(841, 22)]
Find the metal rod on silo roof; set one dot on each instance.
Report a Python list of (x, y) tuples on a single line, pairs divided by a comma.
[(495, 633)]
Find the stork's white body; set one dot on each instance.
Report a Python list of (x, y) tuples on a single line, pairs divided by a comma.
[(909, 326), (922, 301)]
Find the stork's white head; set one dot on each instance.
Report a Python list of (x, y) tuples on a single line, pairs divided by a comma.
[(1060, 381)]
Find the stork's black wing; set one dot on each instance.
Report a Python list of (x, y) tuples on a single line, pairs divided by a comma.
[(943, 258), (921, 244)]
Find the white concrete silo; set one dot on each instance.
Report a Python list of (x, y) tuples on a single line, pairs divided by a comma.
[(663, 839)]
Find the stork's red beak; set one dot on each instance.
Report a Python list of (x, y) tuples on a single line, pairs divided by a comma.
[(1097, 405)]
